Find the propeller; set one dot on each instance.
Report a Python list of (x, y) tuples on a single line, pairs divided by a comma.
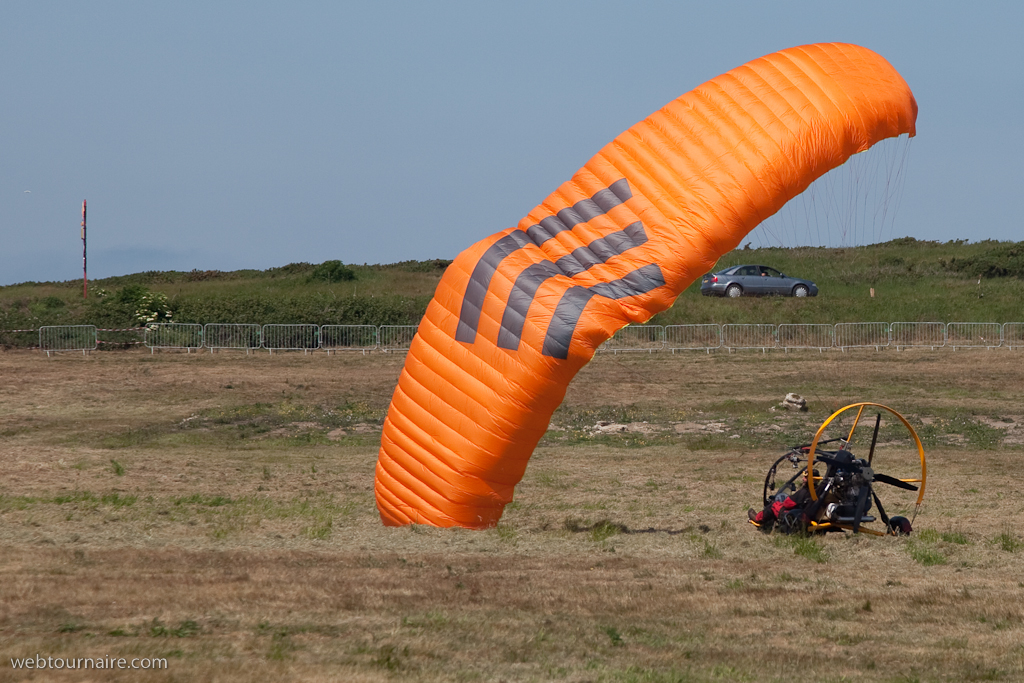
[(893, 481), (862, 469), (874, 437)]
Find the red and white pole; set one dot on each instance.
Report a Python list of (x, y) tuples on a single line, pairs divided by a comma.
[(85, 277)]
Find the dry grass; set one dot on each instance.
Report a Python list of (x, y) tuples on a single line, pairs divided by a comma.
[(218, 511)]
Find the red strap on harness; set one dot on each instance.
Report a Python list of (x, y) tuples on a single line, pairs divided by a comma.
[(780, 505)]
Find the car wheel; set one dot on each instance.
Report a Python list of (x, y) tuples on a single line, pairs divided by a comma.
[(733, 291), (800, 291)]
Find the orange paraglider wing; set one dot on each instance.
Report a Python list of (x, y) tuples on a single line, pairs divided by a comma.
[(518, 314)]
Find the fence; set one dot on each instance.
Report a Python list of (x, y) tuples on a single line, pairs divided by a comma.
[(693, 337), (174, 336), (396, 337), (1013, 335), (304, 338), (348, 338), (67, 338), (811, 336), (649, 338), (968, 335), (232, 336), (861, 335), (932, 335), (754, 336)]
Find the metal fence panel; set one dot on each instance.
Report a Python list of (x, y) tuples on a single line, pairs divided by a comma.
[(348, 337), (54, 338), (693, 337), (1013, 335), (647, 338), (291, 337), (232, 336), (805, 336), (186, 336), (977, 335), (756, 336), (861, 335), (917, 334), (396, 337)]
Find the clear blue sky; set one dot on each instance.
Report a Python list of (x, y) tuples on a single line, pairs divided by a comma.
[(226, 135)]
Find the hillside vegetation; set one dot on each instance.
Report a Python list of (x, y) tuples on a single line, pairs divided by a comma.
[(913, 281)]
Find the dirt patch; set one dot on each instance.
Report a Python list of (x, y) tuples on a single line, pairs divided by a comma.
[(700, 427), (605, 427)]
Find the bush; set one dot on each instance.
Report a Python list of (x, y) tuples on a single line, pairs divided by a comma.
[(52, 302), (1005, 260), (315, 309), (432, 266), (131, 306), (292, 269), (333, 271)]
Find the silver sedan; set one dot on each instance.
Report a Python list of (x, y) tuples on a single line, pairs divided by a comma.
[(752, 280)]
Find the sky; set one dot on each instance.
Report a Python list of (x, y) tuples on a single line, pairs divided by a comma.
[(227, 135)]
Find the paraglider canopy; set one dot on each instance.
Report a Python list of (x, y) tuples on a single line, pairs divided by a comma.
[(518, 314)]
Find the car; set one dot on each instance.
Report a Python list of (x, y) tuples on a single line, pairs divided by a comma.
[(755, 280)]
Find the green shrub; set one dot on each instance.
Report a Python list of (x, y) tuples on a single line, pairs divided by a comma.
[(52, 302), (310, 308), (432, 266), (333, 271), (1003, 260), (130, 306)]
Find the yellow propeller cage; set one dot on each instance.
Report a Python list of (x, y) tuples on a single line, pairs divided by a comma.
[(860, 406)]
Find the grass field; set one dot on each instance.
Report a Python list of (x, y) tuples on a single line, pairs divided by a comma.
[(217, 511)]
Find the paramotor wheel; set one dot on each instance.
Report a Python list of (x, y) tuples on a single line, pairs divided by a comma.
[(899, 526)]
